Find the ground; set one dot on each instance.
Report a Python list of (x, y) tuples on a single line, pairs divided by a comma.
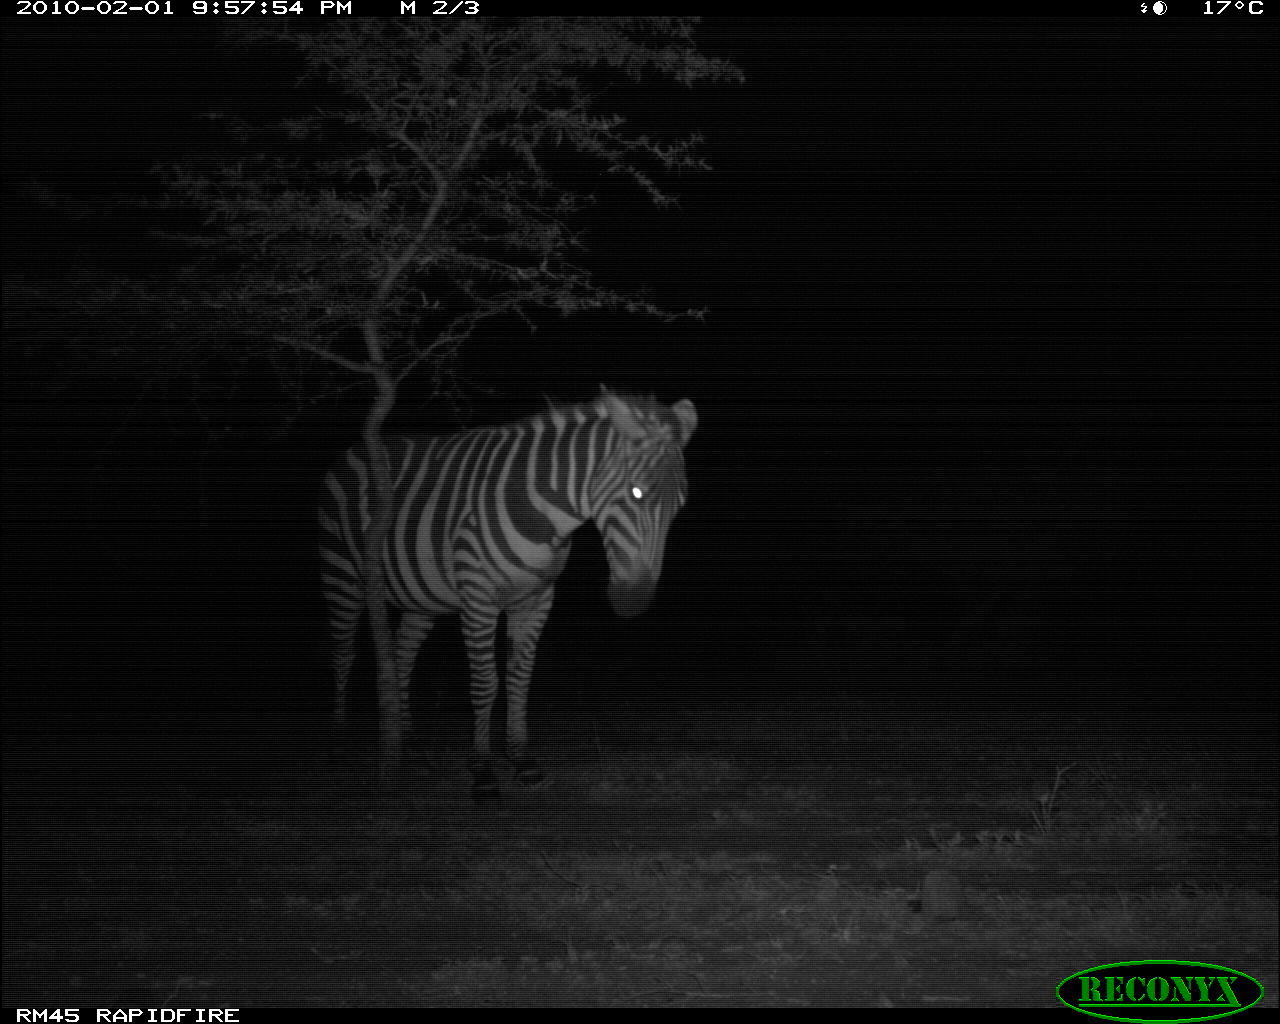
[(709, 854)]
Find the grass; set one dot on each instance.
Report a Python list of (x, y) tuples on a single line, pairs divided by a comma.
[(797, 875)]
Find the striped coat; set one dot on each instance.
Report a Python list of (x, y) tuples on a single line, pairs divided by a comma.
[(482, 525)]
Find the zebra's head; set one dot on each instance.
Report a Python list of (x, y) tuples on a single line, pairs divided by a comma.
[(637, 489)]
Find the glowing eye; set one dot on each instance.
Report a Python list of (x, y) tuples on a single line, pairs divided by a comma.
[(637, 492)]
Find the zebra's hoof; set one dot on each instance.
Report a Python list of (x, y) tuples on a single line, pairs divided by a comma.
[(486, 795), (484, 786), (530, 775)]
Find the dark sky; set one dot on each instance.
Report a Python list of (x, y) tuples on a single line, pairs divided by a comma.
[(867, 162), (823, 95), (994, 312)]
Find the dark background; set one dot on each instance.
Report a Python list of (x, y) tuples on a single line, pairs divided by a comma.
[(986, 396)]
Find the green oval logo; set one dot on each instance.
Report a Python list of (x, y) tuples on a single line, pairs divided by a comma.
[(1165, 990)]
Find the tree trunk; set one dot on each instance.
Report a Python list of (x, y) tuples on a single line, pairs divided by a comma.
[(382, 505), (381, 512)]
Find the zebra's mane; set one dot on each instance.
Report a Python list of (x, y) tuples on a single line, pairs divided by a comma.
[(645, 405)]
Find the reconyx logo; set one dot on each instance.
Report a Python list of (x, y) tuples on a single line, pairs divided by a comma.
[(1164, 990)]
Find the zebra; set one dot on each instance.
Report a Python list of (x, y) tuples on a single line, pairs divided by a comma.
[(482, 525)]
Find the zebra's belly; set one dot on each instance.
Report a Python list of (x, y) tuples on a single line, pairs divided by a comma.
[(428, 590), (513, 592)]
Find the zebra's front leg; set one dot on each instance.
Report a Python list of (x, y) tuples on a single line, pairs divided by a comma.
[(524, 628), (479, 625)]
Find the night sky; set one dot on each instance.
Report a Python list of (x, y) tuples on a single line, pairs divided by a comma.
[(986, 393)]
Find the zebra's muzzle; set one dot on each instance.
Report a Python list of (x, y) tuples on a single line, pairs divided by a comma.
[(630, 598)]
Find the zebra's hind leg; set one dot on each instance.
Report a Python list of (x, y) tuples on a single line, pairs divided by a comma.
[(342, 627)]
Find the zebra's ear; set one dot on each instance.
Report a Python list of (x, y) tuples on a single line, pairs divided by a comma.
[(688, 417), (624, 418)]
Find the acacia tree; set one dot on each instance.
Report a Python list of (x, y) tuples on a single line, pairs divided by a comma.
[(374, 234)]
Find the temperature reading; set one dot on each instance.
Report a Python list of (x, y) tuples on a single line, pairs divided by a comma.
[(1227, 6)]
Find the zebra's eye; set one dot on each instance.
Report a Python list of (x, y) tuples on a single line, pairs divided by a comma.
[(637, 492)]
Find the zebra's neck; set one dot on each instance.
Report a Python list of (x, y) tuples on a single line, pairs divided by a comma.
[(569, 445)]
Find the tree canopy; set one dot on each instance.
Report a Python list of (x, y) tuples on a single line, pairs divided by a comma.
[(417, 199)]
